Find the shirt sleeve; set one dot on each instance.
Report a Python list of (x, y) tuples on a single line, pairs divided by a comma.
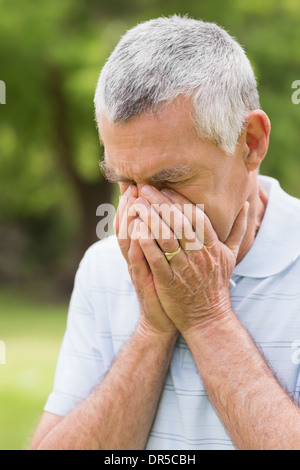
[(80, 367)]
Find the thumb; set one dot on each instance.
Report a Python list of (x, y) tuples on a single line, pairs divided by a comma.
[(238, 230)]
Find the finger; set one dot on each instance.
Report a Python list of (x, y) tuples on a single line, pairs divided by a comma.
[(196, 216), (183, 226), (168, 224), (238, 230), (142, 276), (129, 214), (130, 192), (173, 216), (119, 214), (156, 259), (159, 230), (140, 270)]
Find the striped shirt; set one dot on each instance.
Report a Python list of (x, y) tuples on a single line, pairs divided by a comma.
[(265, 296)]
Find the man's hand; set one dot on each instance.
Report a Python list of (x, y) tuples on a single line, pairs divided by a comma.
[(193, 288), (153, 319)]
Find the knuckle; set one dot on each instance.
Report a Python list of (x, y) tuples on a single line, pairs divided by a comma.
[(130, 270), (117, 220), (134, 256), (157, 260), (179, 226), (123, 244), (170, 245)]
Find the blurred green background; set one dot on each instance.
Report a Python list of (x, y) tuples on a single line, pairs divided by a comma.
[(51, 53)]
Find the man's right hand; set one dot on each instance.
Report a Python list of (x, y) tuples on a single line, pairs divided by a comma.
[(153, 319)]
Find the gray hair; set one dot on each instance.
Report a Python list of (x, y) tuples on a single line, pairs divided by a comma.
[(161, 59)]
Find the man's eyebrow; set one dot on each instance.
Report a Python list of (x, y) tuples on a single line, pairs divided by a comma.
[(173, 172), (110, 174)]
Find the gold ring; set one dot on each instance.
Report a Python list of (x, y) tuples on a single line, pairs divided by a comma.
[(169, 256)]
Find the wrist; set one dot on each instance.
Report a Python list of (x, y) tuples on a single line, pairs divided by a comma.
[(202, 317), (148, 333), (211, 327)]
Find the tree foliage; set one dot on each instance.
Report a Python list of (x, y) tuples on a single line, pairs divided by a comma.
[(51, 53)]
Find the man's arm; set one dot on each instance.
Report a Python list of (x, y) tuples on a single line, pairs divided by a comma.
[(119, 414), (255, 410), (193, 291)]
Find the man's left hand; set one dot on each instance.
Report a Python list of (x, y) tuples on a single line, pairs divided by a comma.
[(193, 287)]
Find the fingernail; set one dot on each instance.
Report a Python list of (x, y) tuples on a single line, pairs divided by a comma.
[(141, 200), (147, 191), (132, 211), (168, 192), (139, 207), (129, 191), (165, 191)]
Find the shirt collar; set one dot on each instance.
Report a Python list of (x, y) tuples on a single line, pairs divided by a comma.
[(277, 242)]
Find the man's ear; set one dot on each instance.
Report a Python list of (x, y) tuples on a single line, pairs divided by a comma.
[(257, 129)]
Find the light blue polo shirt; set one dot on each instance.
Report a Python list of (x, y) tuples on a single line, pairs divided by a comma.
[(265, 296)]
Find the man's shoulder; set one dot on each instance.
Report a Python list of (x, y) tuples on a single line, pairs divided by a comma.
[(108, 245), (282, 228), (104, 260), (273, 186)]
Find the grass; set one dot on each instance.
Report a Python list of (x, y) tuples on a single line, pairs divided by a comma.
[(32, 332)]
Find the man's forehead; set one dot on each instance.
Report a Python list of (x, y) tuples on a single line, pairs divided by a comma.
[(172, 125), (151, 147)]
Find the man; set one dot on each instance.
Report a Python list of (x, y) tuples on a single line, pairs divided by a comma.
[(189, 340)]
